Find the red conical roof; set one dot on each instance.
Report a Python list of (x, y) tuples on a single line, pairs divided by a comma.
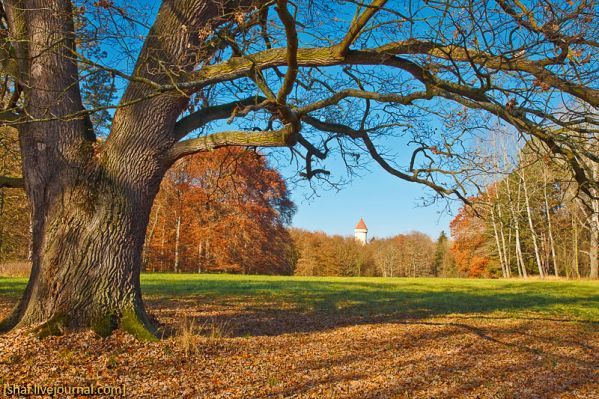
[(361, 225)]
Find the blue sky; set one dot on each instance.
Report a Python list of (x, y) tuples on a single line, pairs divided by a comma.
[(388, 205)]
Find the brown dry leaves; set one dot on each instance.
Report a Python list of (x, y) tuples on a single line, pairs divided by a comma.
[(268, 352)]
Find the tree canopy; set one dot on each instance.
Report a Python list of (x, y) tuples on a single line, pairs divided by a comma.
[(224, 211), (344, 76)]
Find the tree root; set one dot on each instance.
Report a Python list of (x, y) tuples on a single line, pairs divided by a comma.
[(11, 321), (131, 319), (54, 327), (7, 324)]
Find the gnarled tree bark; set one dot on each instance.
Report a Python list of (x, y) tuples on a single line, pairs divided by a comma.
[(90, 202)]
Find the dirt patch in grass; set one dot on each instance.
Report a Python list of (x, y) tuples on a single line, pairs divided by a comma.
[(228, 348)]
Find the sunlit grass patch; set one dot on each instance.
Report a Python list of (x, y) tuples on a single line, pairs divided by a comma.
[(382, 297), (386, 296)]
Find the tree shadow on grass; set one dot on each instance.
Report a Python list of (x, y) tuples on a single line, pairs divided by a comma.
[(461, 377), (256, 307)]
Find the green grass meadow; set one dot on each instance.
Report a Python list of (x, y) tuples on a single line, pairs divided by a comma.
[(375, 297)]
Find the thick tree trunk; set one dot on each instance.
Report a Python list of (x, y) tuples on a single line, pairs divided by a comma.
[(86, 269), (90, 204)]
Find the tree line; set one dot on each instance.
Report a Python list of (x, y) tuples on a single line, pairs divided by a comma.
[(405, 255), (532, 220), (229, 211)]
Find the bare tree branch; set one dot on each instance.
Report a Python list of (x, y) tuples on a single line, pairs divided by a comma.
[(358, 24), (292, 45)]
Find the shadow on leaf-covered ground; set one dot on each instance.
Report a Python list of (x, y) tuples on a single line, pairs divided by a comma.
[(332, 337)]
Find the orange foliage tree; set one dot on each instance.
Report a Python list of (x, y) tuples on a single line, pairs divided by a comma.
[(470, 243), (221, 211)]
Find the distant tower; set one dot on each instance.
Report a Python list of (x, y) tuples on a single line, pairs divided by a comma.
[(361, 231)]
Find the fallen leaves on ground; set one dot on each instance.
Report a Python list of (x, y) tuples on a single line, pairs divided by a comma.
[(235, 349)]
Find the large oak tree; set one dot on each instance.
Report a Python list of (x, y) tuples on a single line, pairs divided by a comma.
[(348, 77)]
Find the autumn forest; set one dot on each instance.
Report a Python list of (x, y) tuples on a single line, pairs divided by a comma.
[(230, 211)]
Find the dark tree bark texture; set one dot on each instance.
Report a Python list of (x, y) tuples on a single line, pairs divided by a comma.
[(91, 203)]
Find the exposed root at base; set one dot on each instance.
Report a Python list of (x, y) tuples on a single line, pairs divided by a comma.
[(131, 320), (53, 327), (137, 325)]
